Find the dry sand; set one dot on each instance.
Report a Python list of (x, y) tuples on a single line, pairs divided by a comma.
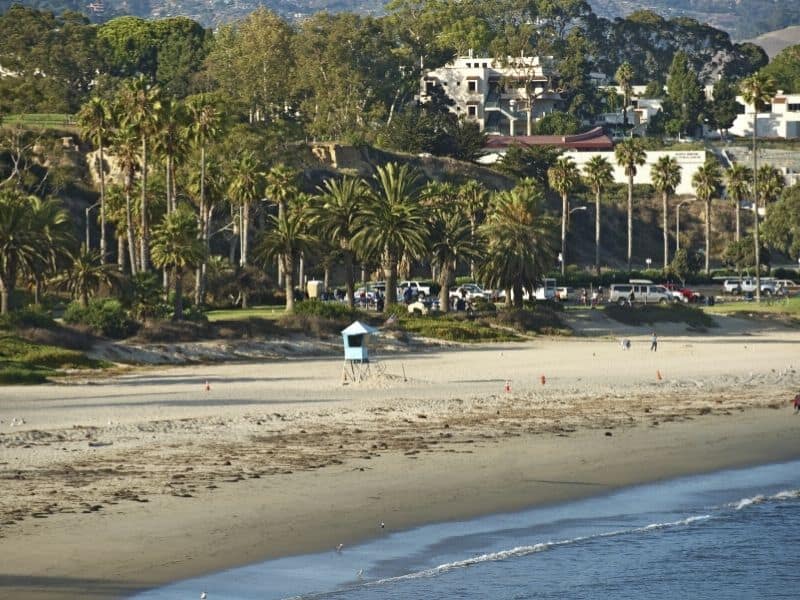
[(113, 485)]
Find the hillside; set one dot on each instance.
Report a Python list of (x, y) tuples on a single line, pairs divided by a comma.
[(741, 18), (775, 41)]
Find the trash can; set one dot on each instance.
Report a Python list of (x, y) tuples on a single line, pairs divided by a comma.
[(314, 288)]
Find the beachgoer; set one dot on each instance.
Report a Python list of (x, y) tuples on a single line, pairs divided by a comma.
[(631, 298), (595, 298), (653, 342), (583, 296), (626, 344), (797, 404), (407, 295)]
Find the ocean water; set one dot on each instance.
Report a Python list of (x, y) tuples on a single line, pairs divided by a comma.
[(731, 534)]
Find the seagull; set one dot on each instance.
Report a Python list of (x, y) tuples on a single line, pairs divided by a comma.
[(203, 596), (339, 547), (383, 524)]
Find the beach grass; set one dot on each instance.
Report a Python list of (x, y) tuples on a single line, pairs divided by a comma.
[(270, 311), (454, 328), (655, 313), (767, 306), (22, 361)]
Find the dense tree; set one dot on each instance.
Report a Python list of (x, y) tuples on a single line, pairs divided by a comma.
[(563, 178), (630, 154), (473, 200), (782, 225), (599, 175), (706, 182), (451, 241), (665, 175), (686, 98), (529, 162), (757, 90), (124, 147), (784, 69), (724, 109), (84, 274), (624, 77)]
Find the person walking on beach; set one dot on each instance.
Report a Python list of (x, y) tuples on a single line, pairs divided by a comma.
[(797, 404), (653, 342)]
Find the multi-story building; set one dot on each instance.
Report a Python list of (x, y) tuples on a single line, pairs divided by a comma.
[(504, 97), (781, 119)]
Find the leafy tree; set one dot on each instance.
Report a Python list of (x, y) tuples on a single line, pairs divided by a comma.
[(84, 274), (724, 109), (563, 178), (520, 242), (685, 263), (473, 200), (96, 121), (557, 123), (451, 241), (706, 182), (176, 247), (666, 175), (394, 222), (770, 184), (630, 154), (737, 184), (124, 146), (246, 187), (757, 90), (784, 69), (599, 175), (654, 89), (686, 97), (741, 255), (532, 162), (782, 225)]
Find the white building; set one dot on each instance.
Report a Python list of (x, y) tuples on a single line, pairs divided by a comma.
[(780, 120), (504, 97), (689, 161)]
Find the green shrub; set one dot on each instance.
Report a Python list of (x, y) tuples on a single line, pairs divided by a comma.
[(326, 310), (541, 319), (27, 317), (21, 375), (56, 358), (649, 314), (482, 305), (104, 316), (455, 329)]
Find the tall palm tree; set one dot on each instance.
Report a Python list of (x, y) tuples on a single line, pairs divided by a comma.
[(394, 222), (284, 239), (51, 223), (563, 178), (737, 183), (246, 186), (84, 274), (474, 199), (95, 120), (281, 185), (140, 107), (624, 77), (338, 211), (757, 89), (520, 242), (125, 151), (177, 246), (706, 181), (630, 154), (170, 142), (599, 175), (205, 125), (666, 175), (451, 240)]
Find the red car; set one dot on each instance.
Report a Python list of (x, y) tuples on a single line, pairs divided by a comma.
[(681, 293)]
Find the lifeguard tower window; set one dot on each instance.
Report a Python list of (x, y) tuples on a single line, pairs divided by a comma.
[(355, 341)]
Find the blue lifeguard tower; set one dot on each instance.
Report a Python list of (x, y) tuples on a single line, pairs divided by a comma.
[(356, 351)]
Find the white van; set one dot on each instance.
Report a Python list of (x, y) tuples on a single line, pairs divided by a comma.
[(646, 293), (547, 291)]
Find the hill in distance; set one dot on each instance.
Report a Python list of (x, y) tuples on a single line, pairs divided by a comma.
[(742, 19)]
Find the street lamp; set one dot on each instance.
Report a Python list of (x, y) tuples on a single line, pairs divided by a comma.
[(678, 224), (648, 261), (95, 205)]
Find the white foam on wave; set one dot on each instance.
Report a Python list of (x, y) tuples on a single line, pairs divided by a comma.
[(761, 498), (520, 551)]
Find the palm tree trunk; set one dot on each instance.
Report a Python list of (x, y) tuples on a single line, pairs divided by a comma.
[(518, 302), (390, 267), (630, 220), (145, 239), (120, 251), (245, 229), (288, 283), (597, 233), (178, 276), (755, 206), (708, 233), (205, 217), (738, 221), (665, 208), (349, 274), (4, 294), (102, 207), (444, 292), (301, 274), (564, 212), (131, 238)]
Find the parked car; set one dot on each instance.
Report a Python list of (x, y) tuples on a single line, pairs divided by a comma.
[(646, 293), (747, 285), (681, 293), (472, 291), (785, 287), (417, 289), (732, 286)]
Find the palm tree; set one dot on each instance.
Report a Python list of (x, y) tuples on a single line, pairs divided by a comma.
[(140, 107), (170, 141), (281, 185), (706, 181), (520, 242), (599, 174), (51, 223), (451, 240), (563, 177), (624, 77), (284, 239), (246, 186), (394, 222), (474, 199), (84, 275), (338, 211), (737, 183), (176, 246), (666, 175), (630, 154), (205, 124), (124, 145), (757, 89), (95, 120), (770, 184)]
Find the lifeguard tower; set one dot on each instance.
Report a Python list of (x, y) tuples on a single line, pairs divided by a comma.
[(356, 353)]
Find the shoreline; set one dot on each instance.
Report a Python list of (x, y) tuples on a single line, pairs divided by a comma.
[(146, 479)]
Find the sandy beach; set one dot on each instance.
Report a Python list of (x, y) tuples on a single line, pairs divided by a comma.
[(112, 485)]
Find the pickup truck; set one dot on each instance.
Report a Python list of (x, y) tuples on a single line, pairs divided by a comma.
[(417, 289)]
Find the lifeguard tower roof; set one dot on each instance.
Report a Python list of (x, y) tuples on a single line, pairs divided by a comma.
[(357, 327)]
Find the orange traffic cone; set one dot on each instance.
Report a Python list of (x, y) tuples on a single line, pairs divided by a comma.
[(543, 379)]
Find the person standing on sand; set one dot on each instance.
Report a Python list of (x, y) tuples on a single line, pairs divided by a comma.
[(653, 342), (797, 404)]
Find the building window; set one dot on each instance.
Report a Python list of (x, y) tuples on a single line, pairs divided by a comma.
[(469, 65), (472, 110), (484, 65), (472, 85), (793, 107)]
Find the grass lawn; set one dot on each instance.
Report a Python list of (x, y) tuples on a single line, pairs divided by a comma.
[(45, 120), (768, 306), (275, 311), (22, 361)]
